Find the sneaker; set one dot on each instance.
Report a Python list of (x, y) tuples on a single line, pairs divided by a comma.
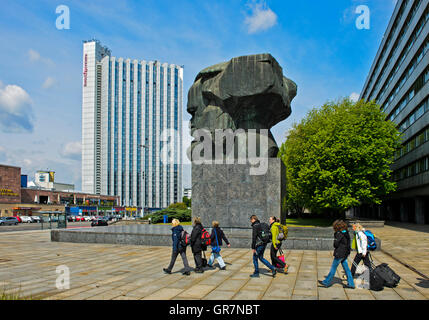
[(254, 275), (166, 271), (274, 272), (323, 284), (346, 286), (199, 271), (286, 269), (280, 270), (186, 273), (223, 268)]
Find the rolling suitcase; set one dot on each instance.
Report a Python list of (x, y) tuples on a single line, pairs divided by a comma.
[(390, 278)]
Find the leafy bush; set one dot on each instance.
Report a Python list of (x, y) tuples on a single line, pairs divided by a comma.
[(182, 215)]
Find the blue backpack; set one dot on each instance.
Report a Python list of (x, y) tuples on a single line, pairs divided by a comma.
[(372, 245)]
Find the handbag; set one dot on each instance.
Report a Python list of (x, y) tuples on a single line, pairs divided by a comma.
[(216, 248), (281, 257)]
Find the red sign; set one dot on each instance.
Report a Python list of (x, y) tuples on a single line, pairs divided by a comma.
[(85, 71)]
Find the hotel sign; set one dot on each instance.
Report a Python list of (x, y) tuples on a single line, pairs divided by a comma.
[(85, 70), (8, 193)]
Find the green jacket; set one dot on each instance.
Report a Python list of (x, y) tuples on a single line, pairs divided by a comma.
[(275, 233)]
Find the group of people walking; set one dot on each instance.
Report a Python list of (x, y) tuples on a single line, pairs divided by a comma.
[(260, 232), (179, 237), (198, 247), (342, 249)]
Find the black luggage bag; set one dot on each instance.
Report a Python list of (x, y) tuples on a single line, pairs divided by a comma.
[(383, 271)]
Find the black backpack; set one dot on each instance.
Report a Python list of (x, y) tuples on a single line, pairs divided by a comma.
[(265, 233)]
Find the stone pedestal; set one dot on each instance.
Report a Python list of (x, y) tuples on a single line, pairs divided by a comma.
[(229, 194)]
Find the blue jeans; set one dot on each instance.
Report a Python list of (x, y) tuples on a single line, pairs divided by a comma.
[(335, 264), (260, 255), (219, 259)]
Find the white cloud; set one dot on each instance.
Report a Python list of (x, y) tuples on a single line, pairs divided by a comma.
[(72, 150), (35, 56), (16, 112), (261, 19), (354, 97), (49, 82)]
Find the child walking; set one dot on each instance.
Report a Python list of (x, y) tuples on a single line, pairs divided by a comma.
[(341, 252), (216, 242)]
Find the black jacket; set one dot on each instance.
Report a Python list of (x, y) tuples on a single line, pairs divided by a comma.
[(196, 238), (176, 234), (220, 236), (342, 244), (256, 226)]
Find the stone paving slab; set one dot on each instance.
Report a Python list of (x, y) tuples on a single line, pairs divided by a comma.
[(106, 271)]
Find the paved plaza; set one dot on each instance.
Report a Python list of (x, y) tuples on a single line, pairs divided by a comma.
[(28, 262)]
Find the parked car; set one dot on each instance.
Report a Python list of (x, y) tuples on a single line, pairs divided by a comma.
[(71, 218), (8, 221), (19, 219), (87, 218), (80, 218), (27, 219), (37, 219), (99, 222)]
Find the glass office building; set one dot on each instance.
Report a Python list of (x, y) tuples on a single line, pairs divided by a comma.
[(131, 120), (398, 82)]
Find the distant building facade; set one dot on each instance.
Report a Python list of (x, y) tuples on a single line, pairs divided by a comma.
[(127, 105), (399, 82), (18, 200)]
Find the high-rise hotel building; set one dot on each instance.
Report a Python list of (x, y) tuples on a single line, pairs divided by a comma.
[(131, 125), (399, 82)]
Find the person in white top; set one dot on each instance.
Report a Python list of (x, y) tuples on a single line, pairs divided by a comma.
[(361, 248)]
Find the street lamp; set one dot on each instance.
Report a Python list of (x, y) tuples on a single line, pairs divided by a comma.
[(144, 185)]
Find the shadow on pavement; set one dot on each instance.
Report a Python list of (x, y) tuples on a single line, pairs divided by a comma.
[(409, 226), (423, 283)]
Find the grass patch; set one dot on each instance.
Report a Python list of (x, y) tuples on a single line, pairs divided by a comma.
[(14, 294), (309, 222)]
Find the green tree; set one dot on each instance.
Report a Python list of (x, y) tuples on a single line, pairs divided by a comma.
[(339, 157), (187, 201), (178, 205)]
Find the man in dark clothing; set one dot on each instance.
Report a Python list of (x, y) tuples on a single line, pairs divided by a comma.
[(258, 248), (196, 245)]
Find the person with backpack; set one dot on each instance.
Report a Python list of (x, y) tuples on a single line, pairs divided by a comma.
[(275, 227), (261, 236), (196, 245), (361, 242), (178, 248), (216, 242), (341, 252)]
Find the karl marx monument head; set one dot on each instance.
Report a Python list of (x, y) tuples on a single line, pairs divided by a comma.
[(247, 92)]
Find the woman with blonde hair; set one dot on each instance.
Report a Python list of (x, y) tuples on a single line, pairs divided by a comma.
[(177, 248), (361, 241)]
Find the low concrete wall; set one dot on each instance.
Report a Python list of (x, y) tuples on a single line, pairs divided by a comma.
[(160, 235)]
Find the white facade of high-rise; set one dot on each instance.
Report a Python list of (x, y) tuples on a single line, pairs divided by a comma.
[(131, 124)]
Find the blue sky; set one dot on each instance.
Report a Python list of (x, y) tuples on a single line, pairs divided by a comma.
[(316, 42)]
